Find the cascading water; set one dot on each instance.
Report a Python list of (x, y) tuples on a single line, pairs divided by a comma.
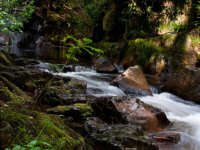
[(97, 84), (184, 115)]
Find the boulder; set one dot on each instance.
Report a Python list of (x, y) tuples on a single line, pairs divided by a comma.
[(77, 112), (104, 65), (11, 94), (63, 92), (133, 81), (184, 83), (21, 76), (129, 110), (25, 61), (21, 126), (116, 136), (56, 90)]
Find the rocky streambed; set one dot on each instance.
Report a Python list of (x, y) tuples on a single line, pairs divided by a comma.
[(82, 110)]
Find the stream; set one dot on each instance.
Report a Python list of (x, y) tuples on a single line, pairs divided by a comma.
[(183, 114)]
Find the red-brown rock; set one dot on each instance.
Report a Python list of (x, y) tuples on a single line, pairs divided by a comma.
[(133, 81), (129, 110)]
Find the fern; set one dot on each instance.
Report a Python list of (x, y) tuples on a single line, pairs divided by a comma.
[(78, 46)]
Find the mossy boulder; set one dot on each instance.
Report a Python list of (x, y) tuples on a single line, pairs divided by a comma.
[(4, 59), (77, 112), (11, 94), (22, 77), (22, 126), (63, 92)]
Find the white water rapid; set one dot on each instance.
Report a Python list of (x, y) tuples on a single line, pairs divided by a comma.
[(97, 84), (184, 115)]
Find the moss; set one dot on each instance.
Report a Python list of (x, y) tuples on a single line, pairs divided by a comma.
[(78, 111), (29, 125), (168, 40), (145, 49), (77, 87), (195, 40), (4, 60), (12, 94), (164, 28), (85, 109)]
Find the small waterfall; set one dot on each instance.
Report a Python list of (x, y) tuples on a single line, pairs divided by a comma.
[(97, 84), (84, 69), (184, 115), (119, 68)]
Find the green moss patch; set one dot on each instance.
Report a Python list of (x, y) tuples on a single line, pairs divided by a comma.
[(26, 125), (144, 49), (12, 94), (78, 111)]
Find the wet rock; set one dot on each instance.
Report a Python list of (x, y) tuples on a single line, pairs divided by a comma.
[(104, 108), (61, 92), (129, 110), (55, 89), (116, 137), (133, 81), (77, 112), (23, 77), (68, 68), (173, 140), (184, 83), (104, 65), (36, 64), (166, 137), (25, 61)]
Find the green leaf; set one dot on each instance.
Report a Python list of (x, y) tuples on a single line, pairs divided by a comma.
[(87, 41), (18, 147), (78, 46), (46, 144), (33, 143), (36, 148)]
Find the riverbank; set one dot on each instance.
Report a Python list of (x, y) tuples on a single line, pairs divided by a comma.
[(81, 110)]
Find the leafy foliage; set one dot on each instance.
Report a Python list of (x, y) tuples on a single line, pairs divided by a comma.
[(93, 11), (145, 49), (33, 145), (14, 13), (197, 10), (78, 46)]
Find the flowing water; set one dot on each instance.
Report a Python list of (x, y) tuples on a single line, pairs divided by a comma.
[(184, 115)]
